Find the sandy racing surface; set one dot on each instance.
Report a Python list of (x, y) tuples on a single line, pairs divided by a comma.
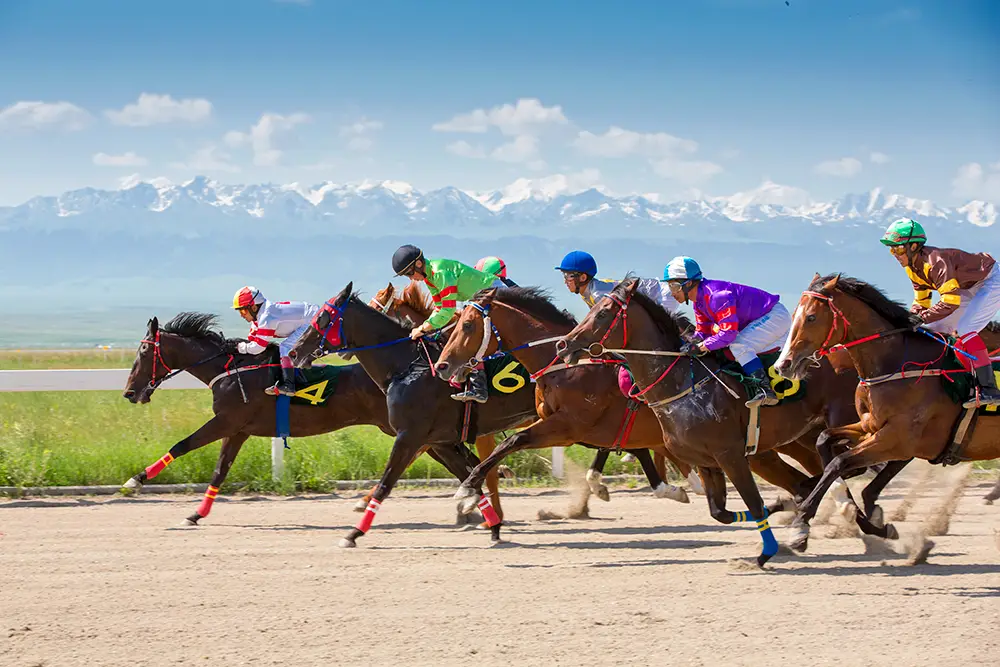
[(645, 581)]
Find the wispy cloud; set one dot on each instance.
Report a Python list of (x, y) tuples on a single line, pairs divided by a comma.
[(618, 142), (154, 109), (264, 137), (128, 159), (975, 181), (36, 115), (358, 134), (463, 148), (878, 158), (845, 167), (206, 160), (526, 116)]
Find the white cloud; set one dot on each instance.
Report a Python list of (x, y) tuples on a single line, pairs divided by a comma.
[(263, 136), (878, 158), (973, 181), (463, 148), (522, 149), (37, 114), (526, 116), (153, 109), (686, 171), (358, 134), (128, 159), (845, 167), (618, 142), (208, 159)]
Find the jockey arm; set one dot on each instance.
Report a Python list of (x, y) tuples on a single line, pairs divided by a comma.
[(445, 299), (256, 341), (717, 327), (940, 272)]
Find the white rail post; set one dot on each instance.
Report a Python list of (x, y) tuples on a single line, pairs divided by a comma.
[(277, 458), (558, 469)]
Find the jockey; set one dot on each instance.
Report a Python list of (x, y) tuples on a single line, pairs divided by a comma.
[(745, 319), (269, 322), (497, 267), (579, 271), (969, 287), (449, 282)]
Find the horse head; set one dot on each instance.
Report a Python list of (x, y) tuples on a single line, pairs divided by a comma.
[(326, 330), (600, 327), (470, 341)]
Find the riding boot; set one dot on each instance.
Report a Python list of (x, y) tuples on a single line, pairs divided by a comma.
[(765, 393), (987, 384), (476, 389), (285, 386)]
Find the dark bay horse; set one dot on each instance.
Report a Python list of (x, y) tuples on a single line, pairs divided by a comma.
[(581, 403), (414, 306), (904, 418), (189, 342), (704, 424), (421, 410)]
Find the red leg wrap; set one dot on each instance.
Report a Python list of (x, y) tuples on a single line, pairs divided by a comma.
[(155, 469), (206, 503), (369, 516), (490, 514)]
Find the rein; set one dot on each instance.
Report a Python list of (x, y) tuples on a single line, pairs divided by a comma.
[(155, 382)]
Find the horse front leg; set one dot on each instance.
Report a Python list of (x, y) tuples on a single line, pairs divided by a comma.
[(362, 503), (485, 444), (404, 450), (737, 468), (661, 489), (227, 455), (595, 473), (210, 431)]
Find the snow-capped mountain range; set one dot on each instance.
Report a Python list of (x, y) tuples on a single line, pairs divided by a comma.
[(538, 208)]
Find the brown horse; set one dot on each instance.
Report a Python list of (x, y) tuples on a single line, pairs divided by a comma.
[(579, 404), (901, 418), (413, 307), (703, 422)]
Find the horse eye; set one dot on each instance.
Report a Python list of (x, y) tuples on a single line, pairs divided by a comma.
[(323, 320), (145, 348), (810, 318), (467, 327)]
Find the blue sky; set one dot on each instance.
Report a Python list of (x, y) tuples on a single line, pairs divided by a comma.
[(675, 98)]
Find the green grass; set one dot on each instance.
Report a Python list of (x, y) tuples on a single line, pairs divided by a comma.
[(97, 437)]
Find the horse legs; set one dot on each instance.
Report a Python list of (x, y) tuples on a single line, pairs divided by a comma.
[(485, 444), (737, 469), (594, 475), (773, 469), (210, 431), (656, 482), (865, 453), (870, 496), (362, 503), (404, 450), (993, 494), (230, 449)]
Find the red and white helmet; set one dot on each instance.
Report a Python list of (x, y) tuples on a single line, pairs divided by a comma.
[(246, 297), (492, 265)]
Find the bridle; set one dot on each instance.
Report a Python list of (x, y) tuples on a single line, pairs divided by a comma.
[(158, 360), (597, 349)]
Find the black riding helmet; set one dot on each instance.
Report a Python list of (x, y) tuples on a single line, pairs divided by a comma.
[(405, 257)]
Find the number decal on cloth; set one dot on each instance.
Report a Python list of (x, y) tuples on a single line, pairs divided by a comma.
[(313, 393), (507, 381), (782, 386)]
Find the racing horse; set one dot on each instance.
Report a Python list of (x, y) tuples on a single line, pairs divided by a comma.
[(904, 414), (414, 306), (189, 342), (580, 403), (421, 410), (702, 415)]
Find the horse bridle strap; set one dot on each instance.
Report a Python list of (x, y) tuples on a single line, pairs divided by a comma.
[(158, 359)]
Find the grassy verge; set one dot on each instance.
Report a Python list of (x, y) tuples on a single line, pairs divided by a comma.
[(97, 437)]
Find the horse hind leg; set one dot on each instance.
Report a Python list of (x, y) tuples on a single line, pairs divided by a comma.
[(595, 473), (661, 489), (993, 494), (738, 470), (227, 455), (485, 444)]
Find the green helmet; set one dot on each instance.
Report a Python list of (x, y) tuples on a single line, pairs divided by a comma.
[(904, 231)]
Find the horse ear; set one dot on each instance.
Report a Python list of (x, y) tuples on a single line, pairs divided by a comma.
[(390, 289), (816, 277), (633, 284), (154, 326), (344, 295), (832, 283)]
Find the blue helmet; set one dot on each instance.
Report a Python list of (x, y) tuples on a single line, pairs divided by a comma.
[(580, 262), (682, 268)]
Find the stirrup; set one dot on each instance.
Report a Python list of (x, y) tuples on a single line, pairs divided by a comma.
[(977, 401), (469, 395), (279, 390)]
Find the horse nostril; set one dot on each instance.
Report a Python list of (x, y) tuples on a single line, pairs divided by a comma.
[(561, 345), (128, 394), (441, 366)]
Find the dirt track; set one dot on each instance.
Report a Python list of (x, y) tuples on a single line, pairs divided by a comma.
[(646, 582)]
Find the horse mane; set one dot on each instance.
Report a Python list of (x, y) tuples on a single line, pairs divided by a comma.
[(417, 299), (893, 311), (193, 325), (535, 301), (671, 324)]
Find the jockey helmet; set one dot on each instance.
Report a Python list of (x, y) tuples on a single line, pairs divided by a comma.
[(404, 258), (494, 266), (902, 232), (579, 261), (246, 297), (683, 269)]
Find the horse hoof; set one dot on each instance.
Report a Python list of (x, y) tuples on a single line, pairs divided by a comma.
[(505, 472), (360, 506), (628, 458), (464, 492), (672, 492), (798, 537), (987, 501), (603, 493), (762, 560), (890, 532), (131, 487), (467, 504), (347, 543), (189, 523), (877, 518)]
